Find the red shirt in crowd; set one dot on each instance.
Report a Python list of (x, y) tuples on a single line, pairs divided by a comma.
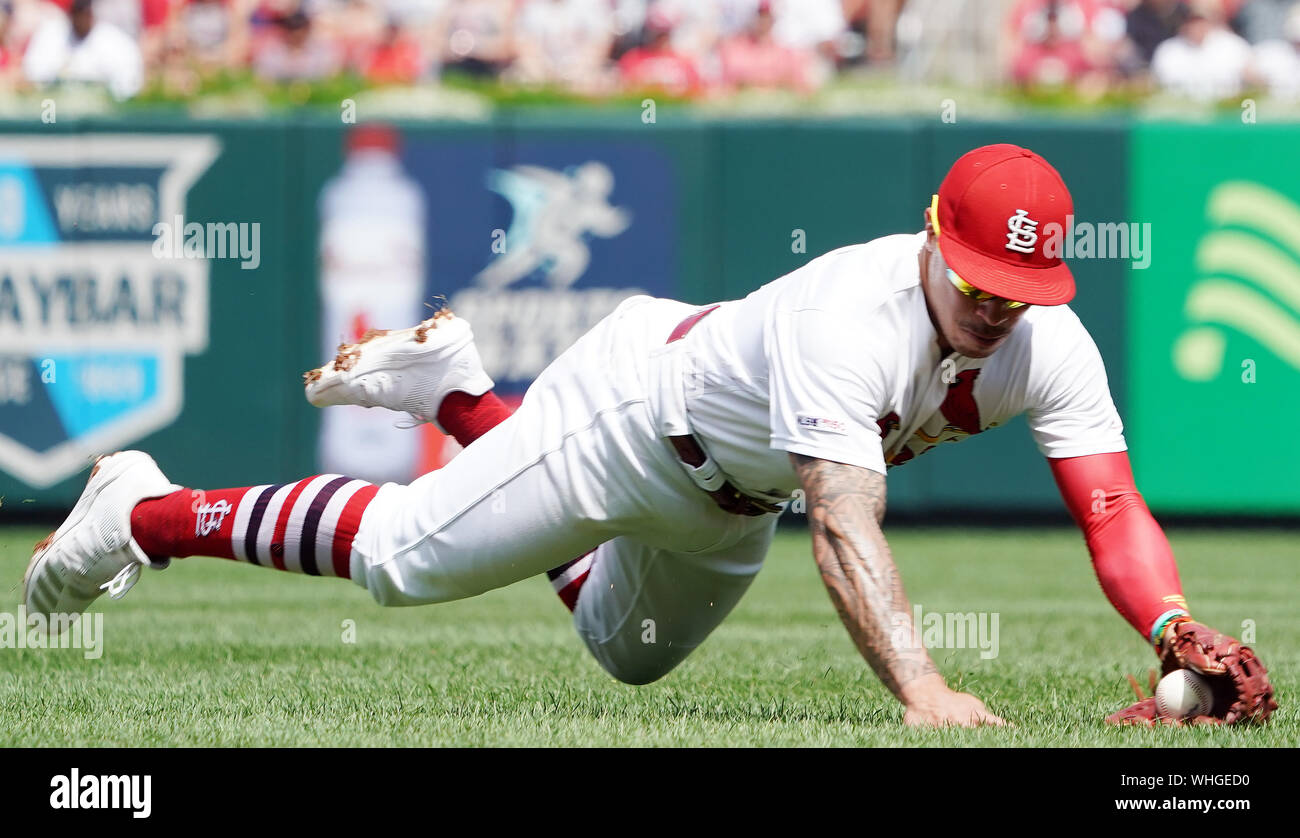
[(748, 62), (394, 61), (660, 68), (1052, 64)]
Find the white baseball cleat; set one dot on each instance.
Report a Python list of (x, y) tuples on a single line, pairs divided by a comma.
[(406, 370), (93, 552)]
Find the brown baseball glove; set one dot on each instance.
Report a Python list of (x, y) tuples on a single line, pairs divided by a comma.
[(1238, 680)]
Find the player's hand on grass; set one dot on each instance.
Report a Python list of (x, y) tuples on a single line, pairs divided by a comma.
[(930, 703)]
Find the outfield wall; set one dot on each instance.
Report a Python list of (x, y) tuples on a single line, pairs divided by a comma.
[(104, 345)]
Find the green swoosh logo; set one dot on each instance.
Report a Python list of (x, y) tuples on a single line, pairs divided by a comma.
[(1234, 264)]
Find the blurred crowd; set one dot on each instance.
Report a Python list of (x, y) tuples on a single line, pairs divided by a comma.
[(685, 48), (1200, 49)]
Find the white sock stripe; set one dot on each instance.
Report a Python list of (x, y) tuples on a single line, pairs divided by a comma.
[(297, 516), (329, 519), (242, 513), (574, 570), (266, 531)]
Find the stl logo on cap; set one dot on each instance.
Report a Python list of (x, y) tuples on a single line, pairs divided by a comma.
[(994, 210), (1024, 232)]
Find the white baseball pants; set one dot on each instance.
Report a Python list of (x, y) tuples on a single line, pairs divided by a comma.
[(582, 464)]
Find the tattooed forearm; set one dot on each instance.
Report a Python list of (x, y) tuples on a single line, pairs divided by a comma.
[(845, 507)]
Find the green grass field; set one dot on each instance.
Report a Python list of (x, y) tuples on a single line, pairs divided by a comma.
[(214, 653)]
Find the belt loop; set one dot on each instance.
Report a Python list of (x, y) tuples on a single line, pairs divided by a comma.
[(705, 472), (707, 475)]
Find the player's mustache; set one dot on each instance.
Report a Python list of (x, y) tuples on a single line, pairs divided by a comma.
[(987, 334)]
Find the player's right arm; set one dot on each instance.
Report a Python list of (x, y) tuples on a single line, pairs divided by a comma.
[(846, 505)]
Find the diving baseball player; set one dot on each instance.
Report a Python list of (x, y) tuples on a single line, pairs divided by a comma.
[(645, 467)]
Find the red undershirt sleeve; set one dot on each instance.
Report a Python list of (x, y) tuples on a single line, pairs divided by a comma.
[(1130, 553)]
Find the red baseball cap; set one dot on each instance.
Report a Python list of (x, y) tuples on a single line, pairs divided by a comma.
[(992, 217)]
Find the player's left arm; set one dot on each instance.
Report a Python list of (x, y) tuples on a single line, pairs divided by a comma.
[(1076, 426), (1136, 568), (1130, 553)]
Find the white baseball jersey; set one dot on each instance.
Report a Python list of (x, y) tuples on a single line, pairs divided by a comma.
[(839, 360)]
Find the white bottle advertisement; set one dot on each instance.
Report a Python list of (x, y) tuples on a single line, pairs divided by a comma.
[(372, 256)]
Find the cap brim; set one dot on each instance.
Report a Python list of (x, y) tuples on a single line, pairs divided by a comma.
[(1052, 286)]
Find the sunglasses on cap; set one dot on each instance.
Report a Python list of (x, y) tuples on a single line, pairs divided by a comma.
[(960, 284)]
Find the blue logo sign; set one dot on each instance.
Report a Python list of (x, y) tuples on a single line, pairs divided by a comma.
[(94, 327), (533, 251)]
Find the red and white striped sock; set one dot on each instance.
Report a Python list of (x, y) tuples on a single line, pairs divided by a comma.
[(568, 578), (305, 527)]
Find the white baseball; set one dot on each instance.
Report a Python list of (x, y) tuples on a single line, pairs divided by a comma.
[(1182, 694)]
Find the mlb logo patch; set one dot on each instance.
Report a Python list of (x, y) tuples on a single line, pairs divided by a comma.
[(822, 423)]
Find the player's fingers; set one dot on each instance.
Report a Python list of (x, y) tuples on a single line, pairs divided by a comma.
[(912, 719), (929, 721)]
